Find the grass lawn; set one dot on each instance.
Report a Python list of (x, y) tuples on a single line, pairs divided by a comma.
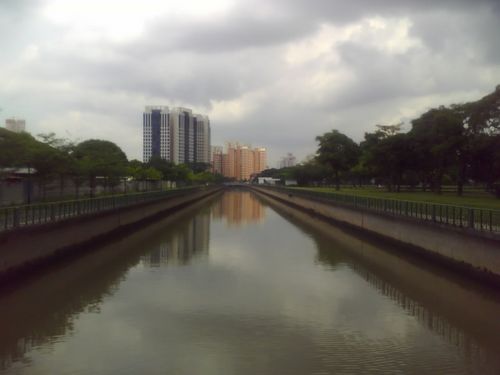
[(469, 199)]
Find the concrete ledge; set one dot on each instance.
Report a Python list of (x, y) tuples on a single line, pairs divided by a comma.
[(26, 247), (479, 254)]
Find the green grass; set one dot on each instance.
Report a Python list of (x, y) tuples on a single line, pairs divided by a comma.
[(469, 199)]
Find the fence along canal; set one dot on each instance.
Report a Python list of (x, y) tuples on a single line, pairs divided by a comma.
[(43, 213), (476, 219)]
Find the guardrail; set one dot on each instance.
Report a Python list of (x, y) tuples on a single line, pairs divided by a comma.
[(477, 219), (21, 216)]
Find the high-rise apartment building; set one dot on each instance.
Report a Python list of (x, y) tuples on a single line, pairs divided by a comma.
[(157, 133), (239, 161), (217, 159), (288, 161), (260, 159), (175, 135), (202, 138), (15, 125)]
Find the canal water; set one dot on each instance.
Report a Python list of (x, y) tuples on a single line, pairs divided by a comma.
[(240, 285)]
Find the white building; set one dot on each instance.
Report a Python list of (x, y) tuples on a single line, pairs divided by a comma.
[(175, 135), (288, 161), (15, 125)]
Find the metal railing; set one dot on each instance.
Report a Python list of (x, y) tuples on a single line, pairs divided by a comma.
[(42, 213), (478, 219)]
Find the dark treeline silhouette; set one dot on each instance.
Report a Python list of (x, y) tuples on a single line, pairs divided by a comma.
[(456, 144), (47, 160)]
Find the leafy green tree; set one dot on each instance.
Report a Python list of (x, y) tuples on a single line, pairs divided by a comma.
[(15, 148), (98, 158), (182, 173), (483, 115), (63, 163), (23, 150), (198, 167), (311, 172), (386, 155), (143, 172), (204, 177), (485, 161), (338, 151), (166, 168), (152, 174), (440, 141)]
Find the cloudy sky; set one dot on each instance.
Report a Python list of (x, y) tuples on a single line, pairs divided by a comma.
[(274, 73)]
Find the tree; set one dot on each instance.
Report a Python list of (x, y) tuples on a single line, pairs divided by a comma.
[(386, 155), (143, 172), (198, 167), (166, 168), (483, 115), (485, 161), (98, 158), (440, 144), (311, 172), (15, 148), (63, 162), (337, 151)]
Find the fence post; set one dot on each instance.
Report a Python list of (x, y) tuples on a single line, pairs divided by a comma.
[(52, 213), (471, 218), (434, 213), (16, 218)]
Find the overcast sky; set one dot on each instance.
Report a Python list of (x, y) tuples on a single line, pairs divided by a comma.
[(271, 73)]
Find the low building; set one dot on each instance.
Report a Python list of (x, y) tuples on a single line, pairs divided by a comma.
[(15, 125), (268, 181)]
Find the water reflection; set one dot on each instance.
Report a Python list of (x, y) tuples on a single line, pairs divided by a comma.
[(458, 310), (42, 311), (214, 290), (239, 207), (178, 247)]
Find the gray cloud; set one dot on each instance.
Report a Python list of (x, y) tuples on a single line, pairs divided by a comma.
[(237, 64), (237, 32)]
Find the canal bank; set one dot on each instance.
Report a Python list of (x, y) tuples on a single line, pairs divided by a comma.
[(27, 248), (429, 292), (234, 284), (474, 252)]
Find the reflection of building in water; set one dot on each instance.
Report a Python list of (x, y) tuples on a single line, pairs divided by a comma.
[(238, 208), (190, 239)]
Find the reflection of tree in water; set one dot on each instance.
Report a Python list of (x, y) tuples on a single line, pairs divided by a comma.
[(238, 207), (439, 300), (38, 312), (186, 239)]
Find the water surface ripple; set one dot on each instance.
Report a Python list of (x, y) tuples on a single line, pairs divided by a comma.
[(240, 285)]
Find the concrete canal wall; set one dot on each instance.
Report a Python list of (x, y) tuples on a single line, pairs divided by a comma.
[(471, 250), (26, 247), (430, 293)]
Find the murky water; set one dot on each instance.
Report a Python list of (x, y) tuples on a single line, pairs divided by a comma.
[(236, 286)]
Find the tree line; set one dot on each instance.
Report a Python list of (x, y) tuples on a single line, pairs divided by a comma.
[(91, 162), (454, 144)]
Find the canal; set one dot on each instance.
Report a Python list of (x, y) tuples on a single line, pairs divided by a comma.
[(237, 284)]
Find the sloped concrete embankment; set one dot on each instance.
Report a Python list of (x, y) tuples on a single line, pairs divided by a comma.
[(28, 248), (472, 251)]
